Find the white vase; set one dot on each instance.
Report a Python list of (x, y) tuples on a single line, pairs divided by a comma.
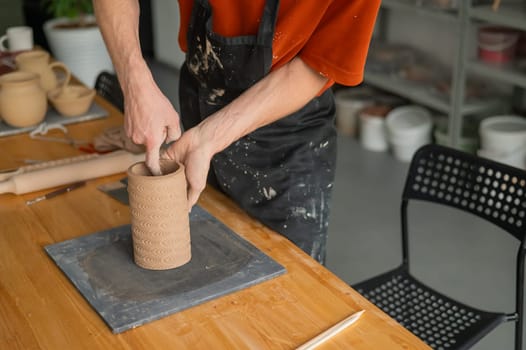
[(81, 49)]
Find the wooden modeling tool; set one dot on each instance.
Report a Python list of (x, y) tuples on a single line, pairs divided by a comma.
[(56, 192), (331, 332)]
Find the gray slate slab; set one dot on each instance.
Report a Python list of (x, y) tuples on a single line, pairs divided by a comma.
[(101, 267)]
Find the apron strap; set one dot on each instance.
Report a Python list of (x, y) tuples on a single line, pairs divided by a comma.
[(268, 23), (266, 30)]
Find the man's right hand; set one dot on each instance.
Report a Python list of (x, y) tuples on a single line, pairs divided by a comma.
[(150, 118)]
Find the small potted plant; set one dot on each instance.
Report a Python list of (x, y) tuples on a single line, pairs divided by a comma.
[(75, 39)]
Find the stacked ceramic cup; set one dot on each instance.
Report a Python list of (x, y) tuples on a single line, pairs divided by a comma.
[(408, 128)]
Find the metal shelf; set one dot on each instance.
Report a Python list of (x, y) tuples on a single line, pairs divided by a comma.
[(407, 89), (455, 106), (508, 74), (509, 15), (410, 5), (425, 96)]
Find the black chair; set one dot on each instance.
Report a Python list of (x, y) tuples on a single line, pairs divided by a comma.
[(490, 190), (107, 85)]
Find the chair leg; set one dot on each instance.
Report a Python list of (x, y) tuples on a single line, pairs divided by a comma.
[(518, 333)]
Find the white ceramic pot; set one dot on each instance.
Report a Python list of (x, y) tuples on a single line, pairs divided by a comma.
[(503, 139), (405, 151), (373, 134), (516, 158), (505, 133), (408, 128), (408, 122), (349, 102), (81, 49)]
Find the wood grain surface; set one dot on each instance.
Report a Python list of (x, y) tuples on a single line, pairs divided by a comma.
[(41, 309)]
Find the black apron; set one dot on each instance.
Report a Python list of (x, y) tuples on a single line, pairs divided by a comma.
[(282, 174)]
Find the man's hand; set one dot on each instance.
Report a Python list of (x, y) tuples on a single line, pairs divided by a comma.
[(260, 105), (150, 120), (195, 153)]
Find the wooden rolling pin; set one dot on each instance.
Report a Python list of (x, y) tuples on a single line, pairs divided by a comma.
[(39, 179), (5, 174)]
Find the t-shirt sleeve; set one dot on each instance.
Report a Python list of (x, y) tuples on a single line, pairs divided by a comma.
[(339, 45)]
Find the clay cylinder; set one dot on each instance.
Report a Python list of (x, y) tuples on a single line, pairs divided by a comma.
[(159, 216)]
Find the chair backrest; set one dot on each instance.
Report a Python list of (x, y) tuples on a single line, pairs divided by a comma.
[(490, 190), (107, 85)]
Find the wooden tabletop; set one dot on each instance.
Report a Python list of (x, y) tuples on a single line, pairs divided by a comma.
[(41, 309)]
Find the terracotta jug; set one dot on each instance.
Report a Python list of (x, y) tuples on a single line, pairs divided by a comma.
[(37, 61), (159, 216), (22, 101)]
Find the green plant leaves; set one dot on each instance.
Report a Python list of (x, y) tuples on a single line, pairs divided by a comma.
[(68, 8)]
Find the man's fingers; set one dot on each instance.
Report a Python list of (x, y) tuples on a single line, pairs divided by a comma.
[(193, 196), (152, 160), (194, 190), (170, 152), (172, 133)]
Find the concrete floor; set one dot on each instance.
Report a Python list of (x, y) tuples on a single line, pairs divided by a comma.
[(452, 251)]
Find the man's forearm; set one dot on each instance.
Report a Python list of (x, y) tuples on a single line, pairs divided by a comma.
[(119, 24), (279, 94)]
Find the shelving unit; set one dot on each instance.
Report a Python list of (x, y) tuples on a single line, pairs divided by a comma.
[(425, 96), (409, 5), (509, 15), (510, 75), (456, 106)]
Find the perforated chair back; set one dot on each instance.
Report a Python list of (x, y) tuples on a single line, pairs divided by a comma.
[(492, 191), (107, 86)]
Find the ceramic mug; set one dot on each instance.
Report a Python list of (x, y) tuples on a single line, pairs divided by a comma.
[(37, 61), (18, 38)]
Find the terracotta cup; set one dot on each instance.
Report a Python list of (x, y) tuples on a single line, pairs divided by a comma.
[(159, 216), (71, 100)]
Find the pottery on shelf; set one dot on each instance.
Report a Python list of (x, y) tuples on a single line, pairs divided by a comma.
[(159, 216), (37, 61), (71, 100), (23, 103)]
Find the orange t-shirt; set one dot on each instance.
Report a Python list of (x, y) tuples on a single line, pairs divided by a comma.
[(331, 36)]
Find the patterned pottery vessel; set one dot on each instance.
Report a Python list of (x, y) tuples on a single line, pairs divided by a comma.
[(159, 216)]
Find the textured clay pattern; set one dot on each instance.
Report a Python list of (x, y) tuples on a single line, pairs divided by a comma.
[(159, 216)]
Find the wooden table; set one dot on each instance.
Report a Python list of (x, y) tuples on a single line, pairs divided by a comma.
[(41, 309)]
